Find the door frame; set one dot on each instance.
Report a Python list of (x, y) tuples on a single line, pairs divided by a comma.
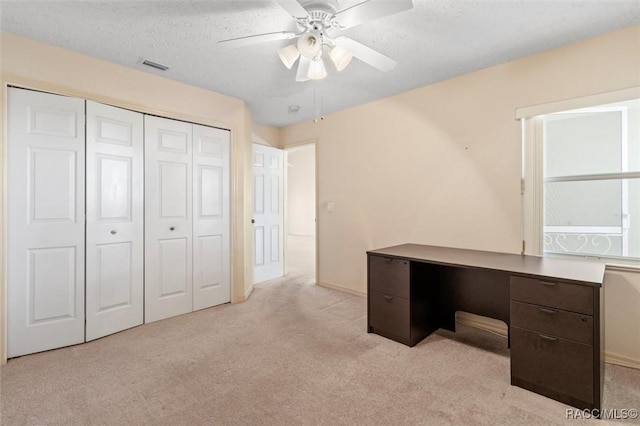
[(286, 149)]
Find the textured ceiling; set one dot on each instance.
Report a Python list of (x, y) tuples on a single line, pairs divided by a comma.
[(436, 40)]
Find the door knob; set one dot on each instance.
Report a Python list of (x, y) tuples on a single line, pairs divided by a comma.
[(253, 221), (114, 232), (173, 228)]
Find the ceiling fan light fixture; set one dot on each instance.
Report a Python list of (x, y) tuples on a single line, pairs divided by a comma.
[(310, 44), (317, 70), (340, 57), (289, 55), (303, 69)]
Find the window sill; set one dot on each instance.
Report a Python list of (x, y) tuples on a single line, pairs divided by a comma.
[(623, 267), (612, 264)]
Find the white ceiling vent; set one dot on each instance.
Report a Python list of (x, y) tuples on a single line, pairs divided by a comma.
[(155, 65)]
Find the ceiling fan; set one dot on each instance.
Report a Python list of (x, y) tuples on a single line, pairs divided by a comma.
[(320, 23)]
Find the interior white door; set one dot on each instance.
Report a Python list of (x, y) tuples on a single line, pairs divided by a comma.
[(268, 205), (168, 218), (45, 257), (211, 222), (115, 227)]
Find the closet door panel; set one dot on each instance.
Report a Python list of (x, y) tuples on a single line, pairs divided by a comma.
[(115, 240), (45, 245), (168, 218), (211, 260)]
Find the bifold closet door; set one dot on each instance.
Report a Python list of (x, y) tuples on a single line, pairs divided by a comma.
[(45, 232), (168, 218), (115, 226), (211, 222)]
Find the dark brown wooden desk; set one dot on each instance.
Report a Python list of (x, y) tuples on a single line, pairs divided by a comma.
[(552, 307)]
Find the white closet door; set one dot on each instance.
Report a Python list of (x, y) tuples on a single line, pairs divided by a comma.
[(211, 267), (168, 218), (268, 205), (114, 242), (46, 150)]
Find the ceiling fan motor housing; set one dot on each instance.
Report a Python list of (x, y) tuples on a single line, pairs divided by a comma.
[(328, 6), (320, 15)]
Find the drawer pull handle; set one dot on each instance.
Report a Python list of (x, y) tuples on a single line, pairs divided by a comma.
[(389, 298), (548, 283), (388, 259), (548, 311), (550, 338)]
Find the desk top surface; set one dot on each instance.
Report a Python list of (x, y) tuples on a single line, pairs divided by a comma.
[(587, 271)]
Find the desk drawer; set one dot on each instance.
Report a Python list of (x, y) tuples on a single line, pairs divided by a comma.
[(570, 297), (389, 276), (390, 314), (559, 365), (568, 325)]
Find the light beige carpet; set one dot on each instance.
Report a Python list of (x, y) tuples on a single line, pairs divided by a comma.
[(294, 353)]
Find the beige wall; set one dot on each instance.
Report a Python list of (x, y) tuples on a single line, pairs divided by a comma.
[(622, 317), (266, 135), (36, 65), (441, 165)]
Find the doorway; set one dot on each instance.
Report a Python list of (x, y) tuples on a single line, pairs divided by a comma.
[(301, 228)]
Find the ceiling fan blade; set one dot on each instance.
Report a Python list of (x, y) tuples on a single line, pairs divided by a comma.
[(370, 10), (366, 54), (294, 8), (303, 69), (256, 39)]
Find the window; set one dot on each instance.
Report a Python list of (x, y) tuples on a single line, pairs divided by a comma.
[(589, 191)]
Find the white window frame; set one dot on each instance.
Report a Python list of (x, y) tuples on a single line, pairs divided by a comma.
[(532, 170), (623, 175)]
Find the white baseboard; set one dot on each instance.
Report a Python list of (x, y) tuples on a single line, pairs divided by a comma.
[(248, 292), (622, 360), (343, 289)]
